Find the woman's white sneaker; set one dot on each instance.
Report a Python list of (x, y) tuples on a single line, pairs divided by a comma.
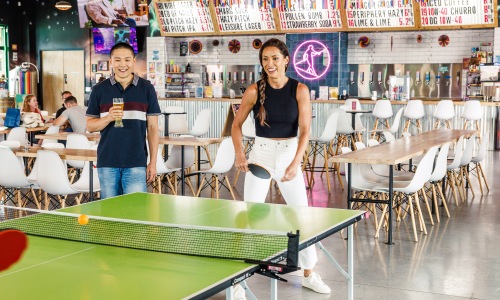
[(314, 282)]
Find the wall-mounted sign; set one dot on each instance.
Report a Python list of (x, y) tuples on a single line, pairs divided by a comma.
[(183, 48), (311, 60), (242, 18), (180, 17), (457, 12), (304, 17), (380, 14)]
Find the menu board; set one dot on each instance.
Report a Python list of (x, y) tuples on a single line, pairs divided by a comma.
[(304, 17), (181, 17), (380, 14), (242, 18), (457, 12)]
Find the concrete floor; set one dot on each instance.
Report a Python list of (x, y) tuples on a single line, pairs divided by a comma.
[(459, 258)]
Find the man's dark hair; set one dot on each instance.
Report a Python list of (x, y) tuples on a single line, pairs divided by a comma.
[(121, 46), (70, 99), (65, 92)]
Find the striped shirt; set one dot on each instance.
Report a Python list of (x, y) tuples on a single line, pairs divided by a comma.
[(123, 147)]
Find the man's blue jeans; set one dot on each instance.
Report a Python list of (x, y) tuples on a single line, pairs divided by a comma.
[(120, 181)]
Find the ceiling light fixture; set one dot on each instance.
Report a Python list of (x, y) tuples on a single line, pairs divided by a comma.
[(63, 5)]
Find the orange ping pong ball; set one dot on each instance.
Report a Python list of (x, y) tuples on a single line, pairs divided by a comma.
[(83, 219)]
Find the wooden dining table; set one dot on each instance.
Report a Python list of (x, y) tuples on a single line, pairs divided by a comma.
[(187, 141), (65, 154), (395, 153), (30, 131), (64, 136)]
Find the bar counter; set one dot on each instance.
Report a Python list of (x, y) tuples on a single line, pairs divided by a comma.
[(221, 107)]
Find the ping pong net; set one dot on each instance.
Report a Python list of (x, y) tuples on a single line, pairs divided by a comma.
[(248, 245)]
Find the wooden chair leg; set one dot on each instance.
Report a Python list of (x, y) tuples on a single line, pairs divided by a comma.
[(434, 200), (478, 174), (438, 187), (412, 215), (201, 185), (190, 185), (229, 187), (484, 177), (424, 195), (216, 179), (421, 216)]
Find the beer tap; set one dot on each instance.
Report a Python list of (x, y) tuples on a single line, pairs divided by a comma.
[(458, 77), (229, 80), (206, 82), (371, 78), (235, 77), (379, 77), (417, 78), (427, 78), (438, 79), (250, 77), (362, 77), (221, 77), (351, 77), (213, 77), (243, 80), (448, 79)]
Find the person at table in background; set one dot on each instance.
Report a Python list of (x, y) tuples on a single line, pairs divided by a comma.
[(64, 95), (102, 13), (281, 106), (122, 154), (74, 114), (30, 104)]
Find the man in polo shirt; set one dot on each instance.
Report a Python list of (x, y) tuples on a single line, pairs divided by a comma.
[(122, 153)]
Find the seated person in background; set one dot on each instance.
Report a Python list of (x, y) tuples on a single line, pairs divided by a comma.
[(30, 104), (64, 95), (102, 13), (74, 114)]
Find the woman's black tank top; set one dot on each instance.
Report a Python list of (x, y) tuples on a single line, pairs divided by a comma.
[(282, 111)]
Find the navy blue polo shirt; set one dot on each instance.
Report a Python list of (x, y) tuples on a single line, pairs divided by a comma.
[(124, 147)]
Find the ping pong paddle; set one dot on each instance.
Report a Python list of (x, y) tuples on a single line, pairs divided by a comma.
[(259, 171), (12, 245)]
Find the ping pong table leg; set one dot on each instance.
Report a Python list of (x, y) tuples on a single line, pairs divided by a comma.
[(274, 289), (229, 293), (350, 263), (91, 181), (183, 176)]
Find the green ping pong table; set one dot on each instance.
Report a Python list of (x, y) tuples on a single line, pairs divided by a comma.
[(61, 269)]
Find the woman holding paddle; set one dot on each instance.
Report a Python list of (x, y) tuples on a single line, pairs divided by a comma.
[(281, 108)]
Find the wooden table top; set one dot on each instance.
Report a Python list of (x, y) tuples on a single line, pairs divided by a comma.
[(188, 141), (64, 136), (34, 129), (71, 154), (402, 150)]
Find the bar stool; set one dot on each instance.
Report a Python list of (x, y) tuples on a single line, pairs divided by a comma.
[(444, 113), (414, 111), (472, 114), (382, 111)]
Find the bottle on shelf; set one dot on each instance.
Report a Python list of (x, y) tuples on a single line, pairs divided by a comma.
[(188, 68)]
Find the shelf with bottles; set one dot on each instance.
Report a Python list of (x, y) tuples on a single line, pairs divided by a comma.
[(181, 84)]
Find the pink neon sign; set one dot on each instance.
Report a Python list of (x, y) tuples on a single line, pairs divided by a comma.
[(311, 60)]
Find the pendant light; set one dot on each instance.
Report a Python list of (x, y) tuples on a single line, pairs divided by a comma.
[(63, 5)]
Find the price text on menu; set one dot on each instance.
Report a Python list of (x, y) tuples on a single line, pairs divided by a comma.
[(456, 12), (184, 17)]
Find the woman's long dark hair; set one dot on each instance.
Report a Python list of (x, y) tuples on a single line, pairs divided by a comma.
[(262, 114)]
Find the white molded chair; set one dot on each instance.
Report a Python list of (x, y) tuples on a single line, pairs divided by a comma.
[(76, 141), (395, 124), (52, 178), (223, 163), (177, 123), (13, 180), (382, 111), (322, 146), (201, 127), (452, 170), (413, 112), (444, 113), (463, 176), (472, 114), (17, 134), (439, 172), (476, 162), (52, 129)]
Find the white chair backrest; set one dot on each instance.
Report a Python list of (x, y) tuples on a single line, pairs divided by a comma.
[(359, 145), (389, 137), (10, 144), (457, 155), (330, 130), (11, 170), (248, 127), (481, 152), (372, 142), (414, 109), (348, 104), (77, 141), (174, 160), (202, 123), (382, 109), (83, 183), (468, 150), (440, 166), (444, 110), (472, 110), (225, 157), (177, 123), (397, 121), (52, 176), (52, 129), (344, 123), (53, 146), (423, 172), (17, 134)]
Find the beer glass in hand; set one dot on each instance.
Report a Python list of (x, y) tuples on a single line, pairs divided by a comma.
[(118, 102)]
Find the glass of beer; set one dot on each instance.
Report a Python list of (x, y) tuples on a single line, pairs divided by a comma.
[(118, 102)]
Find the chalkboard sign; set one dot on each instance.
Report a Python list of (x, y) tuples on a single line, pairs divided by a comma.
[(458, 13), (304, 18), (181, 17), (380, 14), (243, 18)]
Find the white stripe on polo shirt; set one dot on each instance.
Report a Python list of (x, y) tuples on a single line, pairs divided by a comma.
[(130, 115)]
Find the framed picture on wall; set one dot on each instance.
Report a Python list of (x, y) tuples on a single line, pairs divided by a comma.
[(97, 77), (94, 68), (103, 66)]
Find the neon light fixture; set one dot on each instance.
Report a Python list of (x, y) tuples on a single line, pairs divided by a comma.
[(311, 60)]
